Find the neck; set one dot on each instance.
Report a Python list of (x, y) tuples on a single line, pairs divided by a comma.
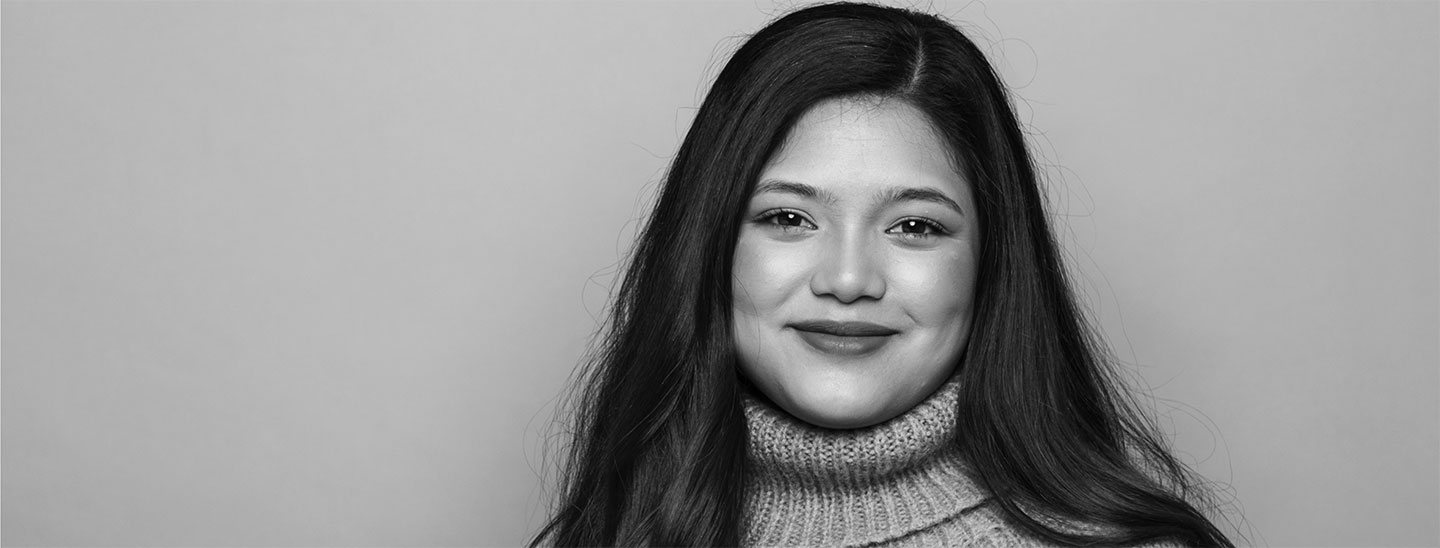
[(811, 485)]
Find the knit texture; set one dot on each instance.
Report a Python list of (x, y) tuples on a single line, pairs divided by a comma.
[(899, 483)]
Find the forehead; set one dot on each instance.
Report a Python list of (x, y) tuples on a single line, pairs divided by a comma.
[(862, 142)]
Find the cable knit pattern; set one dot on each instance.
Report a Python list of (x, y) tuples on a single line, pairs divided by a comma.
[(900, 483)]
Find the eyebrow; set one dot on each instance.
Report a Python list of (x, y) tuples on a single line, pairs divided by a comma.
[(887, 196), (798, 189), (931, 195)]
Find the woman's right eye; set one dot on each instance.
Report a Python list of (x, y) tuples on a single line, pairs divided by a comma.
[(787, 220)]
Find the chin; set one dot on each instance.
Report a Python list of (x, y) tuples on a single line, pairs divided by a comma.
[(845, 422), (840, 411)]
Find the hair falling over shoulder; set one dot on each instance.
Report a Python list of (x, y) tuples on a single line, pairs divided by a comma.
[(658, 453)]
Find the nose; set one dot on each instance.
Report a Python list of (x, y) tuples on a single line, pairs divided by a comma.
[(849, 269)]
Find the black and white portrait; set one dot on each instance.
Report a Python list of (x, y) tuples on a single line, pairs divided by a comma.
[(478, 273)]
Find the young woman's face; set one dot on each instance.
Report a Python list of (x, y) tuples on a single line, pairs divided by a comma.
[(855, 266)]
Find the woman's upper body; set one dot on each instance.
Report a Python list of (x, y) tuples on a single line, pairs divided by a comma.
[(853, 220)]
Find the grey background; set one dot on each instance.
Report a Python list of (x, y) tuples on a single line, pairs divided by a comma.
[(313, 273)]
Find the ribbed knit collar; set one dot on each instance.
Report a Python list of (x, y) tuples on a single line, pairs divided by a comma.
[(807, 485)]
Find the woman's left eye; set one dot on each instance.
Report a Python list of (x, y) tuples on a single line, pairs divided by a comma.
[(914, 227)]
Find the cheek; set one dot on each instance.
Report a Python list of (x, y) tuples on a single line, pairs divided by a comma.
[(765, 275), (938, 288)]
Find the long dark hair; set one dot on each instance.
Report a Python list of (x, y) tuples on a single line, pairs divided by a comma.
[(658, 455)]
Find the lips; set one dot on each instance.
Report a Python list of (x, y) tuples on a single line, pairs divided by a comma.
[(843, 338)]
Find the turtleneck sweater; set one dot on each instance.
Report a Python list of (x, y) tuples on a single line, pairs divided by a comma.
[(898, 483)]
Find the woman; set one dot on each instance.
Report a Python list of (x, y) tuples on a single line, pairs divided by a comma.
[(846, 322)]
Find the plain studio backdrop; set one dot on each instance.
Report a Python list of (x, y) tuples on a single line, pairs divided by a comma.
[(313, 273)]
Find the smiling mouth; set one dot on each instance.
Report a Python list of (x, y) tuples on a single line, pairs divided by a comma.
[(843, 338)]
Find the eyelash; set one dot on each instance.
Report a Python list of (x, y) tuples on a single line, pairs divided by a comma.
[(772, 217), (936, 229)]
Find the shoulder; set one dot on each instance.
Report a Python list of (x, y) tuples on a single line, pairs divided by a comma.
[(986, 526)]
